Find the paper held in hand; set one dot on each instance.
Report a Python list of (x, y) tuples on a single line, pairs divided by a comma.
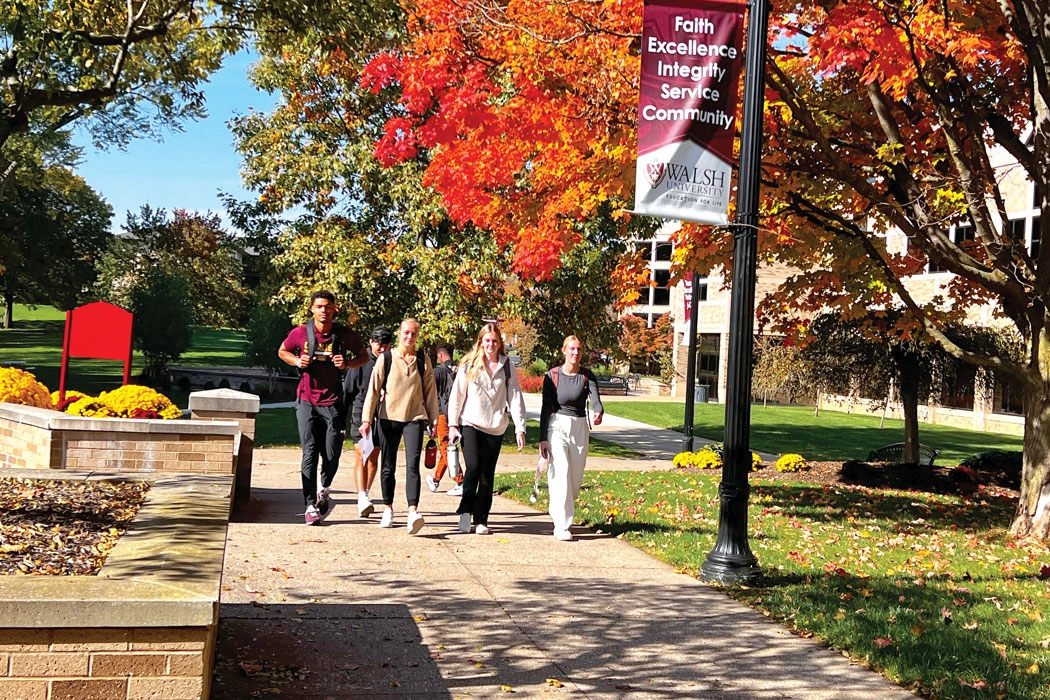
[(366, 444)]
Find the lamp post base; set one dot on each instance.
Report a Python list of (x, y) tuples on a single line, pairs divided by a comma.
[(730, 569)]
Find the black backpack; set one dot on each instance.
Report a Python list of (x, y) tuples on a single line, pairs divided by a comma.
[(311, 339)]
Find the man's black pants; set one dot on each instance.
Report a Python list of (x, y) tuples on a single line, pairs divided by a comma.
[(321, 435)]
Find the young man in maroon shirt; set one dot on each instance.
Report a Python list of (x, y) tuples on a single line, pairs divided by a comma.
[(319, 396)]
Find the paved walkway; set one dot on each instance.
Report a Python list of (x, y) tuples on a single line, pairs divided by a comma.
[(349, 610)]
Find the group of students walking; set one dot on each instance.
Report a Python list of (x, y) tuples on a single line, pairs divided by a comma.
[(393, 393)]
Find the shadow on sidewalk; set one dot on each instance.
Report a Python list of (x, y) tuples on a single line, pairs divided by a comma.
[(295, 652)]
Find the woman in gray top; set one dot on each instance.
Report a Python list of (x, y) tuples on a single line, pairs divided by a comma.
[(565, 432)]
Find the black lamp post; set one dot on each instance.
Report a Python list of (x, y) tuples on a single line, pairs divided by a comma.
[(690, 368), (731, 560)]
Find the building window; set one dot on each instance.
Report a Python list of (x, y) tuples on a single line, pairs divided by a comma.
[(707, 361), (663, 251), (662, 291), (963, 236), (959, 394), (1011, 396), (1035, 237)]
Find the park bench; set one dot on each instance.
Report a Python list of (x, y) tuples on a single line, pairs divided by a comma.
[(894, 454), (612, 383)]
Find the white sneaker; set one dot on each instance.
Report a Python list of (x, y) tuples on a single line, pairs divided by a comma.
[(415, 522), (364, 506), (563, 535), (388, 518), (456, 490), (481, 529), (432, 483), (312, 516), (464, 522)]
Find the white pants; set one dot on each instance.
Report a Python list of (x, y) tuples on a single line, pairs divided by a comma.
[(568, 437)]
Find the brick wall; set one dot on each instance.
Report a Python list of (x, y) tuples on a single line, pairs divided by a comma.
[(35, 438), (105, 664)]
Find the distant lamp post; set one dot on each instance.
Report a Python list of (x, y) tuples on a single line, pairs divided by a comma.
[(731, 560), (690, 366)]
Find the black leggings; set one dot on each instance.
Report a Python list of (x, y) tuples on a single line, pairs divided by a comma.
[(392, 431), (480, 452)]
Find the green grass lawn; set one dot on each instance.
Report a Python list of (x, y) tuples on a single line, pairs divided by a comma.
[(276, 427), (828, 437), (36, 339), (929, 590)]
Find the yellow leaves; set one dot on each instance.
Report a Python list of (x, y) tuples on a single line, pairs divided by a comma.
[(554, 683)]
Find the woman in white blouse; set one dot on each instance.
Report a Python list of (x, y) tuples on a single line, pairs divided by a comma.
[(485, 393)]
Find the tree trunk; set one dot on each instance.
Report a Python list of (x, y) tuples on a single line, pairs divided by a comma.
[(9, 306), (1033, 509), (908, 366)]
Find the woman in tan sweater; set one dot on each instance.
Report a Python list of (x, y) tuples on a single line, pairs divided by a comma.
[(402, 388)]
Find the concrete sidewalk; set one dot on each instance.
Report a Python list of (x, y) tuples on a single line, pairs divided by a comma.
[(349, 610)]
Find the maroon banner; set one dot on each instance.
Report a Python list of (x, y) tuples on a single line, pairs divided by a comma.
[(691, 61)]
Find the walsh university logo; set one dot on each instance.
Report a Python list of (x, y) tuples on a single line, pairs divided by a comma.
[(655, 171)]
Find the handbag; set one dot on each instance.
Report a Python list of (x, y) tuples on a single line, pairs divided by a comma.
[(430, 456)]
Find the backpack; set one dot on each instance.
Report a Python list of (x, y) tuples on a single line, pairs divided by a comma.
[(311, 339), (311, 343)]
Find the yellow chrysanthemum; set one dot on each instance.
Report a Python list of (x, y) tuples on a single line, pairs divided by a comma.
[(19, 386)]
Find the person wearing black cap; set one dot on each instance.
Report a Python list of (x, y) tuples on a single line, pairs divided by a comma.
[(355, 386)]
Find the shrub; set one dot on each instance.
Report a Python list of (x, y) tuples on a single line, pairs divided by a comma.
[(704, 458), (133, 401), (90, 407), (536, 369), (71, 396), (709, 457), (130, 401), (19, 386), (995, 461), (791, 462), (531, 385), (756, 462)]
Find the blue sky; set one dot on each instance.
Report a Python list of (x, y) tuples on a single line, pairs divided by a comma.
[(189, 168)]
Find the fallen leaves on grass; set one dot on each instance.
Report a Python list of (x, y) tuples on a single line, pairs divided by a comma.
[(63, 527)]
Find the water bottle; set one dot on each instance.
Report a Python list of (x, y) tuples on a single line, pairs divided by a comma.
[(453, 459), (430, 454)]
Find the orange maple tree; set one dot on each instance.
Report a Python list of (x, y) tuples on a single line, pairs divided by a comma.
[(878, 115), (526, 111), (918, 118)]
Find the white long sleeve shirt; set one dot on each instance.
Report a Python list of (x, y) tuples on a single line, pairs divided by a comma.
[(486, 401)]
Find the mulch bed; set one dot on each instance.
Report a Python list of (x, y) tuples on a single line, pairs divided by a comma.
[(63, 527), (944, 480)]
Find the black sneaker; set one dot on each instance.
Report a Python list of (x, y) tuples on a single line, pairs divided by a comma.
[(323, 501)]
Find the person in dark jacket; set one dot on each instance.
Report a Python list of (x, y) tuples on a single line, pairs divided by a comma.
[(444, 375), (355, 386)]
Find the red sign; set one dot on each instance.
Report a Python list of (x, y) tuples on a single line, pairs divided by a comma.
[(692, 52), (99, 330)]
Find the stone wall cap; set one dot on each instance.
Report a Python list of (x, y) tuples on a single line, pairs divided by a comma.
[(224, 400), (48, 419), (165, 571)]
